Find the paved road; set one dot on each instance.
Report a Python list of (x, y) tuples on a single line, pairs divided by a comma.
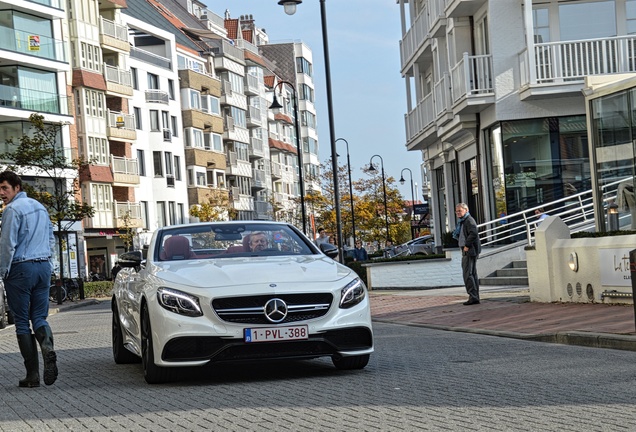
[(419, 379)]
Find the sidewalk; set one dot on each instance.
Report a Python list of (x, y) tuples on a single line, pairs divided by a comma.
[(509, 313)]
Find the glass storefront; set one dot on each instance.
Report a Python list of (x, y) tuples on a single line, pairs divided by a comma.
[(537, 161), (613, 120)]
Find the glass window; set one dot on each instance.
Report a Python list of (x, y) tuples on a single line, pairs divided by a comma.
[(156, 160), (161, 213), (154, 120), (631, 16), (171, 89), (587, 20), (177, 168), (169, 163), (153, 81), (137, 112), (135, 78), (141, 162), (541, 21)]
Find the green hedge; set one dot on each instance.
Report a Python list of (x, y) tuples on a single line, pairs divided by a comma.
[(98, 289), (585, 234)]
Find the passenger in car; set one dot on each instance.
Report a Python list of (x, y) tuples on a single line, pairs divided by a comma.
[(257, 241)]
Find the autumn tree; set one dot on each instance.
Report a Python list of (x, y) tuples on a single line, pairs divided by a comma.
[(217, 207), (39, 153)]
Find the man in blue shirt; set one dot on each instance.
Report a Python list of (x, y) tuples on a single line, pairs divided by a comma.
[(26, 245), (360, 253)]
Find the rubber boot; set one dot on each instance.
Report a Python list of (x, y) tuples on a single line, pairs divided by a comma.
[(29, 351), (44, 335)]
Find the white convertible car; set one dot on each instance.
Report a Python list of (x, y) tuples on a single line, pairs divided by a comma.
[(235, 291)]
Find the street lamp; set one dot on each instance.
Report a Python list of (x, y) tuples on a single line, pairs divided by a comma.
[(412, 197), (353, 219), (386, 208), (290, 8), (276, 105)]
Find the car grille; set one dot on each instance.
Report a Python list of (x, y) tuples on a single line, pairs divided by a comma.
[(251, 309), (219, 349)]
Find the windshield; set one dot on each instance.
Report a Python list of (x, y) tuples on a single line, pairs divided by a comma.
[(227, 240)]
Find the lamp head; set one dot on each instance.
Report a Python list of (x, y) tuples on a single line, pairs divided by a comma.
[(402, 179), (275, 104), (290, 5), (372, 168)]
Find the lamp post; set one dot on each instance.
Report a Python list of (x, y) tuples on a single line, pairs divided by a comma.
[(276, 105), (353, 219), (412, 198), (290, 9), (386, 208)]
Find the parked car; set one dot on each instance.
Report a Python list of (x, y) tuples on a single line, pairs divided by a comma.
[(424, 245), (235, 291)]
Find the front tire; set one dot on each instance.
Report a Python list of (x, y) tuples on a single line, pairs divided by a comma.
[(152, 373), (120, 353), (350, 363)]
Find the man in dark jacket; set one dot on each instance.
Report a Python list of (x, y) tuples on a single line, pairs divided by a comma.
[(468, 238)]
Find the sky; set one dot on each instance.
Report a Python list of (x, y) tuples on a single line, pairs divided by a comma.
[(368, 91)]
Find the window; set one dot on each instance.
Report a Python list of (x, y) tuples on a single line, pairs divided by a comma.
[(201, 179), (236, 82), (171, 89), (214, 105), (98, 152), (306, 93), (156, 160), (193, 137), (137, 112), (303, 66), (308, 119), (144, 214), (588, 20), (94, 103), (91, 57), (242, 151), (141, 162), (165, 120), (310, 145), (154, 120), (101, 197), (172, 212), (631, 16), (135, 78), (214, 141), (169, 162), (153, 81), (174, 125), (181, 213), (541, 24), (177, 168), (195, 99), (161, 214), (239, 117)]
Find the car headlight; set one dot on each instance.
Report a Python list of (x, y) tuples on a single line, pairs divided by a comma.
[(179, 302), (352, 294)]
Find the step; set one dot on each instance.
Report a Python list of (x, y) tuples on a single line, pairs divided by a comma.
[(517, 264), (517, 271), (497, 280)]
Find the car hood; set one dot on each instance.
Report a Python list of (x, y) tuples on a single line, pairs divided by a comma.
[(244, 271)]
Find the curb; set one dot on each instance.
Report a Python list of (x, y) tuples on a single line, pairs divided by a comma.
[(591, 340), (73, 305)]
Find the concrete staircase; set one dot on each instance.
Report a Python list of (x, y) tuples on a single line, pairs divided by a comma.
[(515, 273)]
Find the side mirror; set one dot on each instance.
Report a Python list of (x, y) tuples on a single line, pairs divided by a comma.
[(130, 259), (330, 250)]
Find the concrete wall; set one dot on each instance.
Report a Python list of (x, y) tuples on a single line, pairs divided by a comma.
[(419, 274), (603, 266)]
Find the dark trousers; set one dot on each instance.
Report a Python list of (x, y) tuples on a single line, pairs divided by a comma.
[(469, 273), (27, 290)]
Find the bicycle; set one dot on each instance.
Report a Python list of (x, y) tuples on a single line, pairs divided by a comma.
[(70, 290)]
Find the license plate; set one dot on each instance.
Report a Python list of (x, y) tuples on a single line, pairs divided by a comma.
[(269, 334)]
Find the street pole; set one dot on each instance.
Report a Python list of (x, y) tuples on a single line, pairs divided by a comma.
[(276, 105), (386, 207), (412, 199), (353, 218)]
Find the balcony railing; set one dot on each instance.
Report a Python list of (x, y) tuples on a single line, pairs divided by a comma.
[(124, 165), (114, 30), (256, 145), (158, 96), (118, 76), (121, 120), (558, 62), (414, 36), (258, 178), (226, 49), (472, 76), (33, 100), (151, 58), (251, 84), (442, 96), (254, 116), (131, 208), (32, 44), (420, 117)]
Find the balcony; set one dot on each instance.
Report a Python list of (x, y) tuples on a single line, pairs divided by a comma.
[(113, 36), (237, 167), (259, 180), (257, 149), (33, 100), (463, 8), (127, 215), (561, 67), (150, 58), (263, 210), (254, 117), (442, 100), (420, 124), (279, 198), (252, 86), (120, 126), (436, 18), (32, 44), (415, 40), (118, 80), (472, 84), (157, 96), (277, 170), (125, 171)]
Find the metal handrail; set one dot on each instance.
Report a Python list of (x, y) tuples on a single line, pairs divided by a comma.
[(577, 211)]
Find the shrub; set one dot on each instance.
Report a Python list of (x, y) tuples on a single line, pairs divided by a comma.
[(585, 234), (98, 289), (448, 241), (357, 266)]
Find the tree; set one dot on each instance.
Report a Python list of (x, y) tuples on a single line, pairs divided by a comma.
[(217, 208), (39, 153)]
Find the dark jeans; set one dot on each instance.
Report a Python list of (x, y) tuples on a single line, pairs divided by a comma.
[(469, 273), (27, 290)]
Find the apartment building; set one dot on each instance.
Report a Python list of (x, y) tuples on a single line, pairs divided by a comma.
[(35, 78), (494, 97)]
